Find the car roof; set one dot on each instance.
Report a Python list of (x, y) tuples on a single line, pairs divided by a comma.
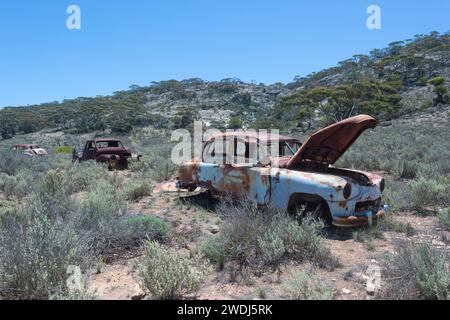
[(106, 140), (265, 137)]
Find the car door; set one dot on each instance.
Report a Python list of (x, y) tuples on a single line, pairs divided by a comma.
[(90, 150), (243, 178)]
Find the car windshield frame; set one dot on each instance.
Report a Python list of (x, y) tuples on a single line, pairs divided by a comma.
[(107, 144)]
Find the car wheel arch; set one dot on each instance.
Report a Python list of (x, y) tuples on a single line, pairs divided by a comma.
[(312, 200)]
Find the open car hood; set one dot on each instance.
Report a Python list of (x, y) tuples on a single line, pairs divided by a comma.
[(330, 143)]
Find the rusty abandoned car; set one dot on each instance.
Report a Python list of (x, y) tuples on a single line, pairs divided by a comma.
[(301, 176), (30, 150), (106, 150)]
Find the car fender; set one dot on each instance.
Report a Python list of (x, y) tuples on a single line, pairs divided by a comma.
[(108, 158), (286, 183)]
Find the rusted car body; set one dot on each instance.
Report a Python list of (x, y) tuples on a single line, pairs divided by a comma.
[(302, 175), (30, 149), (109, 151)]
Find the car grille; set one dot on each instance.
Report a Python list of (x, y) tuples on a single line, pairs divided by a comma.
[(373, 205)]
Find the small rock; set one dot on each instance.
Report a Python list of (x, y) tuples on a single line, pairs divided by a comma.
[(138, 296), (370, 290), (215, 230), (346, 291), (334, 280)]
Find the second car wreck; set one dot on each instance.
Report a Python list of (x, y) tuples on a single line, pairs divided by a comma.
[(301, 175), (105, 150)]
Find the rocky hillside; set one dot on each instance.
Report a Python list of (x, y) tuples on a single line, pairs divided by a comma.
[(404, 78)]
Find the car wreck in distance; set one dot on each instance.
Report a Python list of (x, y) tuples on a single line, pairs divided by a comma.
[(106, 150), (304, 179), (30, 149)]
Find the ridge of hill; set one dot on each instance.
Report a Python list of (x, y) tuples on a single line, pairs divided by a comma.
[(406, 77)]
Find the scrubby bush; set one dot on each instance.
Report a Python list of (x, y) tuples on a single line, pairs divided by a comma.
[(263, 238), (406, 169), (308, 286), (134, 229), (99, 213), (214, 251), (14, 186), (83, 174), (136, 191), (52, 196), (104, 221), (161, 169), (167, 274), (63, 150), (78, 295), (427, 191), (394, 197), (417, 271), (11, 162), (444, 218), (36, 251)]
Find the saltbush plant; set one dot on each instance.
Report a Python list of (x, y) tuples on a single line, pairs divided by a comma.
[(261, 239), (167, 274), (36, 251), (417, 271), (308, 286)]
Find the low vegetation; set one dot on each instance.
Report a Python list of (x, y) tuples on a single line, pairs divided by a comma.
[(259, 240), (36, 251), (308, 286), (167, 274), (417, 271), (47, 226), (444, 218)]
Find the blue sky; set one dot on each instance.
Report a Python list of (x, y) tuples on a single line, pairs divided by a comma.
[(135, 42)]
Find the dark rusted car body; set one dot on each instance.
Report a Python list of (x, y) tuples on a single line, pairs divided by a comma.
[(302, 175), (109, 151)]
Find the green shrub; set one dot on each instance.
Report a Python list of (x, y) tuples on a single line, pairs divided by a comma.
[(84, 174), (167, 274), (308, 286), (444, 218), (427, 104), (235, 123), (395, 199), (99, 213), (138, 191), (14, 186), (161, 169), (304, 242), (272, 248), (425, 191), (36, 252), (83, 295), (263, 238), (11, 162), (417, 271), (406, 169), (139, 227), (53, 194), (63, 150), (214, 251)]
